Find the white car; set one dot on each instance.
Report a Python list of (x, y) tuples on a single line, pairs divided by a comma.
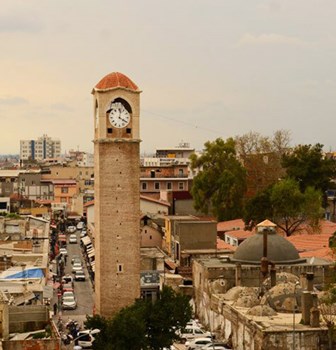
[(68, 294), (69, 302), (83, 233), (71, 229), (198, 343), (72, 239), (77, 266), (63, 251), (191, 332), (215, 347), (85, 338), (80, 225)]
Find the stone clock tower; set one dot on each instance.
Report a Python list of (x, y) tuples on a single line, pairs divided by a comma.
[(117, 194)]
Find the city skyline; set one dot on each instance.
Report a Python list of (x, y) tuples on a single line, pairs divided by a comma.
[(207, 69)]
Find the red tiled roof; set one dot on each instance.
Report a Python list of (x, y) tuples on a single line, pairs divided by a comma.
[(324, 253), (149, 199), (89, 203), (114, 80), (222, 245), (230, 225)]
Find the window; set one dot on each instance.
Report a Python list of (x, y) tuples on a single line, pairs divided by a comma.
[(64, 189), (157, 185), (120, 268), (180, 172), (181, 186), (63, 200), (144, 185), (169, 185)]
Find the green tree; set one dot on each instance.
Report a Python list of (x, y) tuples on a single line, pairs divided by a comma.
[(308, 165), (286, 206), (220, 185), (143, 325), (258, 208), (327, 306)]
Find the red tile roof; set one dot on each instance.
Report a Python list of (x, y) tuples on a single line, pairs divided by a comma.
[(230, 225), (114, 80), (222, 245)]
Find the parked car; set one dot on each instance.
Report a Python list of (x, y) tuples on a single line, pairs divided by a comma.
[(215, 346), (72, 239), (80, 225), (63, 251), (67, 287), (75, 258), (198, 343), (77, 266), (80, 275), (68, 294), (71, 229), (191, 332), (83, 233), (69, 302), (67, 279), (85, 338)]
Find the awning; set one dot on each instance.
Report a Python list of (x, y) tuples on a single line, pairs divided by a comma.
[(86, 240), (91, 254), (26, 274)]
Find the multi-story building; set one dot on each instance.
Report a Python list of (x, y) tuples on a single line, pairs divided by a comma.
[(42, 148)]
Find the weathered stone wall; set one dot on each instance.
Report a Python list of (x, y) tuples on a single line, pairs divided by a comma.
[(27, 318), (32, 344)]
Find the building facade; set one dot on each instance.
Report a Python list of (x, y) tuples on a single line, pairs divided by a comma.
[(42, 148), (117, 211)]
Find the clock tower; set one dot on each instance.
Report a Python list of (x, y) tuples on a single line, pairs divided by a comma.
[(116, 101)]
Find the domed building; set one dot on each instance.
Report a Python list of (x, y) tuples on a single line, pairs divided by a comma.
[(279, 249), (271, 266)]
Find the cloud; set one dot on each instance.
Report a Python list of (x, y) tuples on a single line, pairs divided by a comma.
[(61, 107), (17, 24), (13, 101), (270, 39)]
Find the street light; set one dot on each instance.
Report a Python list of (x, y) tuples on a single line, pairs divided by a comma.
[(294, 309)]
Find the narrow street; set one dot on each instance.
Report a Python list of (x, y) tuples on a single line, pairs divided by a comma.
[(82, 289)]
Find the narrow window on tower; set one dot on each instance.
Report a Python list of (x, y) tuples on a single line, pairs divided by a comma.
[(120, 268)]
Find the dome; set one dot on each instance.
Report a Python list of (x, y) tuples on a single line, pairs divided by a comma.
[(279, 250), (116, 80)]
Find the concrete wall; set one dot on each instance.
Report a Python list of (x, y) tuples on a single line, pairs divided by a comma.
[(150, 237), (27, 318), (196, 235)]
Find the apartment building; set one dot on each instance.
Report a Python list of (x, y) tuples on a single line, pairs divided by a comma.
[(40, 149)]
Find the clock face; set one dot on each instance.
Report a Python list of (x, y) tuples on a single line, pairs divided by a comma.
[(119, 116)]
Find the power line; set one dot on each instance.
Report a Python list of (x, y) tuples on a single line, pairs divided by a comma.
[(181, 122)]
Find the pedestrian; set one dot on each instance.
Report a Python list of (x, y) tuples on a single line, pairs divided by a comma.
[(55, 309), (54, 278), (65, 259)]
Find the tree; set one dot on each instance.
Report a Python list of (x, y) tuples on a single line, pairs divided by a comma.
[(220, 185), (143, 325), (307, 165), (286, 206), (327, 306), (261, 156)]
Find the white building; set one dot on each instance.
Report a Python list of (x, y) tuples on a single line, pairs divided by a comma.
[(42, 148)]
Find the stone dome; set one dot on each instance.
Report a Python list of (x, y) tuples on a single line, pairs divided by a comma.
[(116, 80), (279, 250)]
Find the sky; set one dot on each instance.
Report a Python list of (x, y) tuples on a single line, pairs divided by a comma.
[(206, 68)]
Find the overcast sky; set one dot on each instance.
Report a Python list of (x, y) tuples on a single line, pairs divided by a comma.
[(207, 68)]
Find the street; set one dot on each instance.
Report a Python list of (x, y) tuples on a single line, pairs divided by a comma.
[(82, 289)]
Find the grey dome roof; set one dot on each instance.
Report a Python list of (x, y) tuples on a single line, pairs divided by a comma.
[(279, 250)]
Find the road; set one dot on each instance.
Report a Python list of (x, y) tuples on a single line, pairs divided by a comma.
[(83, 290)]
